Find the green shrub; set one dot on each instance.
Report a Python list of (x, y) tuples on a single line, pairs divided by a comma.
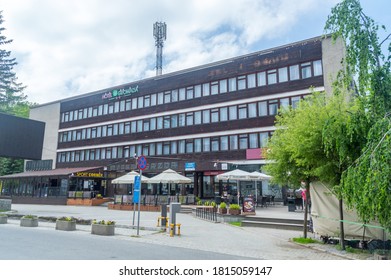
[(234, 206), (223, 205)]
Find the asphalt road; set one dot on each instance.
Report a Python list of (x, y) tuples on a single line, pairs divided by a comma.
[(46, 243)]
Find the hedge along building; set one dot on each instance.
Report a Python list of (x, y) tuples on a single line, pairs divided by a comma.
[(200, 121)]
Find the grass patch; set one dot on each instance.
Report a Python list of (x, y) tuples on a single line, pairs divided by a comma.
[(303, 240), (238, 224)]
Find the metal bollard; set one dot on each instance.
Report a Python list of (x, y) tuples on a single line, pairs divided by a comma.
[(179, 229), (172, 230), (158, 221), (167, 222)]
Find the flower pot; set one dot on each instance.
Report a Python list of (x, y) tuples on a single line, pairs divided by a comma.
[(65, 225), (3, 219), (100, 229), (29, 222), (223, 210)]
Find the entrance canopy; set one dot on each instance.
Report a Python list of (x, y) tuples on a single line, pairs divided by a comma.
[(129, 178)]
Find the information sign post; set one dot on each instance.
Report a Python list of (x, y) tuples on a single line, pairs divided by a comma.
[(142, 164)]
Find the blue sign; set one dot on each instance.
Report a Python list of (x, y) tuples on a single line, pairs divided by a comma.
[(137, 187), (190, 166)]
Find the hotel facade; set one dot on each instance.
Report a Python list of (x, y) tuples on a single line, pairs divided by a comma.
[(200, 122)]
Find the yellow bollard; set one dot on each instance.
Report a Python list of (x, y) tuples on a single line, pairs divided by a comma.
[(172, 230), (158, 221), (167, 222), (179, 229)]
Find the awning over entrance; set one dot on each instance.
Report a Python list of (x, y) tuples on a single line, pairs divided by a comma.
[(52, 172)]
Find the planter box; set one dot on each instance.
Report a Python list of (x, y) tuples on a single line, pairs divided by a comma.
[(29, 222), (99, 229), (3, 219), (234, 211), (65, 225), (223, 211)]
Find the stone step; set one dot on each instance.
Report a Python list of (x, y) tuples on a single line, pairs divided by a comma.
[(275, 225), (275, 220)]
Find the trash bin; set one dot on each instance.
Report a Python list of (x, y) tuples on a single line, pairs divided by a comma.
[(291, 204)]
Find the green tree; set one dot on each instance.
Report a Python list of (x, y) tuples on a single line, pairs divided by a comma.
[(12, 99), (365, 183), (297, 150)]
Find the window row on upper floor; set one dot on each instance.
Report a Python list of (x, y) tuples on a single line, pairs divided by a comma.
[(207, 116), (253, 80), (175, 147)]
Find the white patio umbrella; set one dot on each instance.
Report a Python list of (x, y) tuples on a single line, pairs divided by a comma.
[(169, 176), (129, 178), (238, 175), (260, 177)]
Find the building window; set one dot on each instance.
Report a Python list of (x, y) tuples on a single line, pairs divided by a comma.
[(284, 103), (242, 112), (251, 83), (189, 93), (253, 137), (241, 82), (128, 105), (153, 99), (182, 94), (189, 146), (152, 124), (318, 68), (146, 125), (197, 117), (232, 84), (197, 145), (159, 123), (205, 89), (181, 146), (189, 119), (147, 101), (214, 88), (223, 143), (263, 138), (206, 116), (159, 148), (174, 95), (233, 142), (167, 97), (223, 86), (206, 144), (306, 70), (174, 121), (294, 73), (166, 148), (295, 101), (273, 107), (261, 78), (243, 141), (215, 144), (252, 110), (282, 74), (134, 103), (182, 120), (173, 147), (233, 113), (197, 91), (166, 122), (271, 77), (214, 115), (223, 114), (160, 98)]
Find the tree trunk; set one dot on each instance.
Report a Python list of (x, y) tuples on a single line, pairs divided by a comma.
[(306, 208), (341, 228)]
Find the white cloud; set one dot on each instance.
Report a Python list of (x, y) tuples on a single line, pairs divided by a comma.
[(65, 48)]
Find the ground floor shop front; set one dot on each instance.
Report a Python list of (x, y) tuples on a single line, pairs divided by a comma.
[(58, 186)]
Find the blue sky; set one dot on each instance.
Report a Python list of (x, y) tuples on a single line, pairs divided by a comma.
[(70, 47)]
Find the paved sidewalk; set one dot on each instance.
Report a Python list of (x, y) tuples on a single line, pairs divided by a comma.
[(258, 243)]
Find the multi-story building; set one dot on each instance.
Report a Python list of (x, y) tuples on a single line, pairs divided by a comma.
[(200, 121)]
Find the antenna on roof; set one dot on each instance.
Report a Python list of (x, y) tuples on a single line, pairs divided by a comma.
[(160, 35)]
